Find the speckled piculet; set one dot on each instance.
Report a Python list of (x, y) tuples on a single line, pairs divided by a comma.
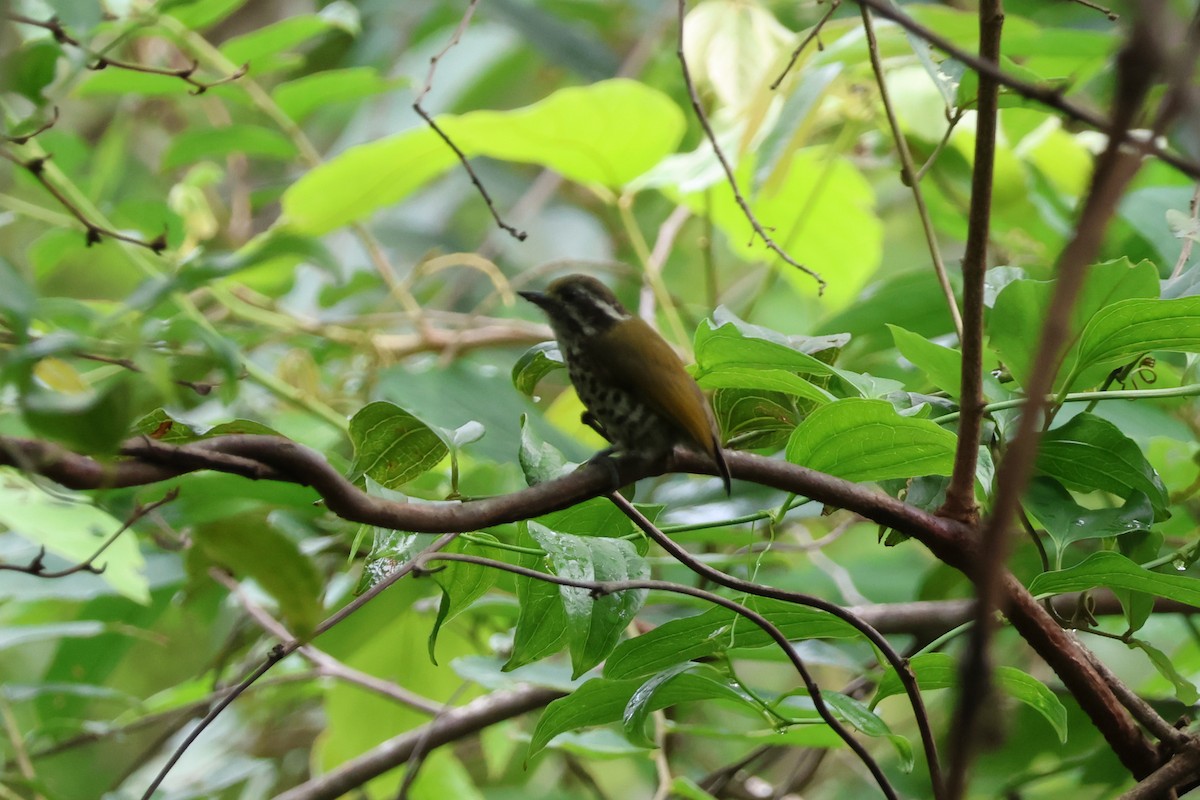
[(637, 393)]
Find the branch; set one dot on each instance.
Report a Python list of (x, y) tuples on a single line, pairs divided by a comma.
[(1049, 96), (975, 683), (185, 74), (900, 665), (281, 459)]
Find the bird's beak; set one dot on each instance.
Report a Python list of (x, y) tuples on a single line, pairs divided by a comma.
[(539, 299)]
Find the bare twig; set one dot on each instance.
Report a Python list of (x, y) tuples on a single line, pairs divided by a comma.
[(1097, 7), (815, 33), (101, 61), (900, 665), (325, 663), (37, 168), (604, 588), (698, 107), (519, 235), (1138, 64), (280, 652), (37, 566), (909, 174), (1049, 96)]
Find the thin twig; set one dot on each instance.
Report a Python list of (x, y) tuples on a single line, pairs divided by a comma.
[(94, 233), (455, 37), (37, 566), (1108, 12), (909, 175), (326, 664), (45, 126), (604, 588), (282, 651), (185, 74), (899, 664), (720, 154), (1049, 96), (815, 33)]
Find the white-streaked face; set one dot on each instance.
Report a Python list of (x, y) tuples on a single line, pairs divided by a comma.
[(582, 306)]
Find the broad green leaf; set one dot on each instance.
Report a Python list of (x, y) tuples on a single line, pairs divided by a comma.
[(942, 365), (866, 440), (462, 584), (1185, 689), (75, 531), (1115, 571), (1090, 453), (911, 300), (540, 461), (717, 631), (602, 700), (1066, 521), (303, 96), (534, 364), (541, 627), (941, 671), (839, 236), (274, 38), (195, 144), (643, 701), (392, 446), (606, 133), (755, 418), (250, 547), (771, 380), (92, 421), (728, 346), (202, 13), (1020, 309), (594, 624), (1123, 331)]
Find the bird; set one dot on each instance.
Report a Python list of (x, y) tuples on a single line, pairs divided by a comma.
[(637, 393)]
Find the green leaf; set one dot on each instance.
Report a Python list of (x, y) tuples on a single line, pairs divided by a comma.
[(756, 418), (303, 96), (1090, 453), (602, 700), (21, 635), (250, 547), (1185, 690), (540, 461), (645, 700), (940, 671), (719, 630), (1066, 521), (202, 13), (1021, 307), (606, 133), (771, 380), (866, 440), (392, 446), (594, 624), (1121, 332), (1115, 571), (92, 421), (274, 38), (195, 144), (541, 627), (462, 584), (734, 345), (534, 364)]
